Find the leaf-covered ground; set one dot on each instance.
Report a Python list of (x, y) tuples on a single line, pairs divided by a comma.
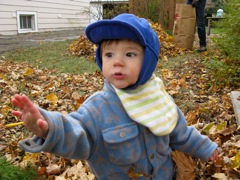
[(206, 106)]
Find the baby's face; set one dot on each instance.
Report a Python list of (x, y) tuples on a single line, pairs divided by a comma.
[(122, 62)]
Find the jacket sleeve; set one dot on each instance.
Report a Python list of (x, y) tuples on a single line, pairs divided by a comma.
[(66, 137), (189, 140)]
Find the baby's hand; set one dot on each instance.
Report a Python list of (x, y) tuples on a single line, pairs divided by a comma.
[(30, 115), (214, 156)]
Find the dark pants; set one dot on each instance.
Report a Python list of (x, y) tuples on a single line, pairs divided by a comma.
[(200, 8)]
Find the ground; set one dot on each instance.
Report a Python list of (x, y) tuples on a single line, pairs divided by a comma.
[(10, 42), (209, 103)]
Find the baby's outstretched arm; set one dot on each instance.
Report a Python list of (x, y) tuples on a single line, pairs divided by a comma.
[(30, 115)]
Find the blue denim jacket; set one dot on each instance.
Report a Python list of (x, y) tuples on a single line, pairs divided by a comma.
[(114, 146)]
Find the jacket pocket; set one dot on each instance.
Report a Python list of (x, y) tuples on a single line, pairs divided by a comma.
[(122, 144)]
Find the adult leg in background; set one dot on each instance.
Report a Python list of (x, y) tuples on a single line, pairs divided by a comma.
[(200, 9), (201, 29)]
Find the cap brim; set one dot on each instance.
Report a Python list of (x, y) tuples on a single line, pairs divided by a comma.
[(114, 29)]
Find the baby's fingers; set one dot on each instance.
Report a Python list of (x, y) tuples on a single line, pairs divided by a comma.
[(214, 156), (17, 113), (23, 103), (43, 125), (16, 101)]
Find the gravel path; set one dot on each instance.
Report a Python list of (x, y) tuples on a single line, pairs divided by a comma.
[(11, 42)]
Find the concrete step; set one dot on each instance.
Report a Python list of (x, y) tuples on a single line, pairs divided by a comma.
[(235, 97)]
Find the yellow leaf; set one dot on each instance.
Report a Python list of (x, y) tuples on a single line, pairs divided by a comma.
[(165, 58), (2, 76), (13, 124), (30, 157), (94, 48), (5, 110), (236, 161), (52, 98), (221, 126), (207, 128), (28, 72), (228, 130)]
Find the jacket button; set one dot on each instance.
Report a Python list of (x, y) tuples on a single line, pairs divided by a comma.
[(152, 156), (148, 131), (122, 134)]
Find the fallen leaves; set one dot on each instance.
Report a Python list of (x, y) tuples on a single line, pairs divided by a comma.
[(76, 172), (62, 92), (209, 109), (185, 166), (83, 47), (168, 47), (52, 98), (205, 105)]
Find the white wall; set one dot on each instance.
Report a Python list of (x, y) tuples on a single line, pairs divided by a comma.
[(51, 14)]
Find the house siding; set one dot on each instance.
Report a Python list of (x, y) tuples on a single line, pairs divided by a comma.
[(51, 16)]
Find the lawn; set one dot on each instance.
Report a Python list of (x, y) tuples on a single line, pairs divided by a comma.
[(52, 55)]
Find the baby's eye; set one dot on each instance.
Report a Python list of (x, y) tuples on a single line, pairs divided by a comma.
[(108, 54), (130, 54)]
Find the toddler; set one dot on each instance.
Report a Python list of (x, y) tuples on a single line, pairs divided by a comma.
[(133, 125)]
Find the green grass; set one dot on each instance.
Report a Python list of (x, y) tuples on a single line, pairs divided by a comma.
[(9, 172), (52, 55), (215, 30)]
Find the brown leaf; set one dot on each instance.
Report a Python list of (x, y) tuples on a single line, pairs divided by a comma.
[(237, 144), (228, 130), (76, 172), (191, 117), (173, 85), (220, 176), (42, 171), (166, 73), (54, 169), (75, 95), (185, 166)]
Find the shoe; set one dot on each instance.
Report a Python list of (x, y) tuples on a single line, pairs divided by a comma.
[(202, 49)]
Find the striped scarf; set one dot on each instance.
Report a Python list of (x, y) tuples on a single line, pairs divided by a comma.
[(151, 106)]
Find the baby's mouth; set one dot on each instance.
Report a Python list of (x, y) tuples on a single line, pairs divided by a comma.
[(118, 75)]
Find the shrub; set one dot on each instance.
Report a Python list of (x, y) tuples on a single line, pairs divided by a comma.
[(227, 69)]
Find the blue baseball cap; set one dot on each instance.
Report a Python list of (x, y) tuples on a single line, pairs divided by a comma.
[(128, 26)]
